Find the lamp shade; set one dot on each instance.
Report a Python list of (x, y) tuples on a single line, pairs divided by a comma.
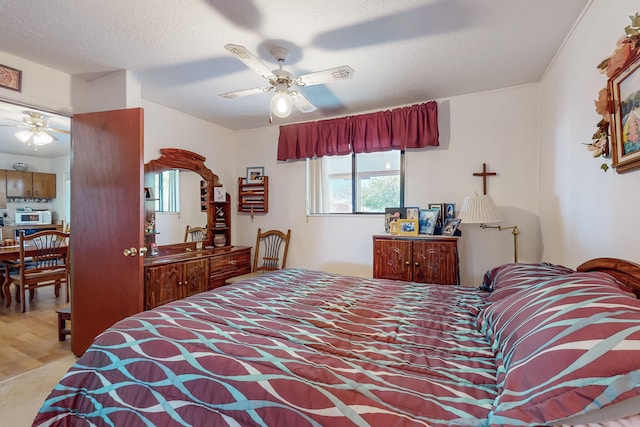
[(479, 210)]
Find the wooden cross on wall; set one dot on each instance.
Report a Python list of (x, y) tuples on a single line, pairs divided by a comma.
[(484, 174)]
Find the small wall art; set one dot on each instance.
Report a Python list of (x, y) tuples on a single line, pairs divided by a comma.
[(255, 174), (10, 78)]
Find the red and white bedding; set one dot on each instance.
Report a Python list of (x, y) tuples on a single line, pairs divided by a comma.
[(297, 347)]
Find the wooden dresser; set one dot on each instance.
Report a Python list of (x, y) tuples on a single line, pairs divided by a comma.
[(424, 259), (178, 275)]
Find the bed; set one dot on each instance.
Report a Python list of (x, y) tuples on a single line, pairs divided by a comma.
[(542, 344)]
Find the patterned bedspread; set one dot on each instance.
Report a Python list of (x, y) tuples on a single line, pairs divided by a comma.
[(291, 348)]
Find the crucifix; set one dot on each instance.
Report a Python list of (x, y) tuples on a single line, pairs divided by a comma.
[(484, 174)]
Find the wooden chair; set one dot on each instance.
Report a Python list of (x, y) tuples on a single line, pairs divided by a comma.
[(43, 262), (195, 234), (270, 253)]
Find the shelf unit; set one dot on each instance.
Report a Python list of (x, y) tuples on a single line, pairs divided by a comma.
[(221, 219), (253, 197)]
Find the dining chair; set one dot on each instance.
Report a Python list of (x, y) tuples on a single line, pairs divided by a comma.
[(195, 234), (270, 253), (42, 262)]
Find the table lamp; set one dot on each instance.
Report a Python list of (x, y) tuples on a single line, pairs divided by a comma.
[(482, 210)]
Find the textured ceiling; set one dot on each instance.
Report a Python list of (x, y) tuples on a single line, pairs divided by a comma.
[(402, 51)]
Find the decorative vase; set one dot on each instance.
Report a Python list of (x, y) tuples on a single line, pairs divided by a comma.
[(219, 240)]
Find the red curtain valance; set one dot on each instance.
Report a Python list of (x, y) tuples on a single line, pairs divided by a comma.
[(415, 126)]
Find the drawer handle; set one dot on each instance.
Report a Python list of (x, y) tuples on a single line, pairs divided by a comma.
[(233, 262), (407, 263)]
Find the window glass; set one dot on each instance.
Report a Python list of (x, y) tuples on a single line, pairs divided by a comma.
[(167, 185), (360, 183)]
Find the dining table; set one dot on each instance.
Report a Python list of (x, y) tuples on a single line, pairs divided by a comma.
[(10, 258)]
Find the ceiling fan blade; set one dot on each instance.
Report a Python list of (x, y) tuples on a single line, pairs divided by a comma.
[(250, 60), (246, 92), (319, 77), (301, 102), (48, 129)]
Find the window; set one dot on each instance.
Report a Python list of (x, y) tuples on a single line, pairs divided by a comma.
[(166, 186), (355, 183)]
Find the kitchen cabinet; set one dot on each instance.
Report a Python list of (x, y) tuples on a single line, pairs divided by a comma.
[(23, 184), (423, 259), (44, 185), (177, 280), (3, 189)]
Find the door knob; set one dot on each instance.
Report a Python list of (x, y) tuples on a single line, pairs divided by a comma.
[(130, 252), (143, 251)]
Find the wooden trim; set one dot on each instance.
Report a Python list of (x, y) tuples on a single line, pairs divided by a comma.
[(626, 272)]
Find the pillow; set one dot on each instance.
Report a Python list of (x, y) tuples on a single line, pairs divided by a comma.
[(565, 346), (509, 278)]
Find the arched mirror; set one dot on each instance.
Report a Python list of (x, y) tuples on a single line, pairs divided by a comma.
[(195, 202)]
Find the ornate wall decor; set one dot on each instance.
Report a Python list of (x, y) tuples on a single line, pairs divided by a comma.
[(619, 104)]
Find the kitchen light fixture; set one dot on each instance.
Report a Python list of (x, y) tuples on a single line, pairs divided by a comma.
[(34, 136), (482, 210)]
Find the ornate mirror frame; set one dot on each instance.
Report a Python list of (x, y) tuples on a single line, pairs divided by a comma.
[(175, 158)]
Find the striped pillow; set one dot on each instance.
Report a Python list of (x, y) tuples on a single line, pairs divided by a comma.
[(509, 278), (565, 346)]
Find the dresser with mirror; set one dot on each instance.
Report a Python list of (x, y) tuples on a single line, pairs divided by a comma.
[(178, 269)]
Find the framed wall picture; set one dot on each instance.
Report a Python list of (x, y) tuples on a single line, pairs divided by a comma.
[(450, 226), (219, 195), (255, 174), (10, 78), (407, 227), (427, 221), (625, 120)]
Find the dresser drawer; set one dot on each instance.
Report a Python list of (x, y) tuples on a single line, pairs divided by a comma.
[(231, 264)]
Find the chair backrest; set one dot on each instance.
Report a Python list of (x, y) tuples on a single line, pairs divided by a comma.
[(195, 234), (43, 251), (271, 250)]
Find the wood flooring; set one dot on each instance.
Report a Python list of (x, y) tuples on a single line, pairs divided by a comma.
[(30, 340)]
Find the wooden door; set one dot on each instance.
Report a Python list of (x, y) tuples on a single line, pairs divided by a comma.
[(392, 259), (196, 277), (435, 261), (107, 215), (163, 284)]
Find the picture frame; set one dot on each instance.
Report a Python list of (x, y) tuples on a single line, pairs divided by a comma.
[(255, 174), (391, 215), (219, 194), (412, 213), (10, 78), (428, 218), (440, 207), (393, 227), (450, 226), (407, 227), (449, 210), (624, 90)]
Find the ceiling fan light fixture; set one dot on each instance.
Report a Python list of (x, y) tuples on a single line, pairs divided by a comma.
[(281, 104), (23, 135), (42, 138)]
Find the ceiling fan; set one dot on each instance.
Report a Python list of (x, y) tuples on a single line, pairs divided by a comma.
[(37, 130), (282, 80)]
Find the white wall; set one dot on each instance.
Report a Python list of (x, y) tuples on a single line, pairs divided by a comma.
[(498, 128), (585, 213), (168, 128)]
